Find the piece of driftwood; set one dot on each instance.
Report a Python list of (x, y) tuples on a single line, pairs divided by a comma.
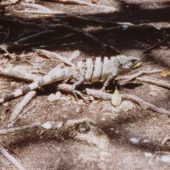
[(136, 99), (11, 158)]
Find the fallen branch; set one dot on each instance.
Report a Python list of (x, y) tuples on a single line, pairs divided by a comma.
[(34, 37), (133, 76), (82, 2), (155, 46), (136, 99), (54, 56), (8, 71), (36, 9), (45, 125), (155, 81), (16, 129), (11, 158), (52, 31), (18, 109), (75, 55)]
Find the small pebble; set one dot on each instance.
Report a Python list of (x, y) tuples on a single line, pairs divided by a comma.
[(148, 154), (165, 158), (103, 119), (47, 125), (54, 97), (135, 140)]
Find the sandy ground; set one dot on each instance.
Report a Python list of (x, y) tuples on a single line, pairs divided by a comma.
[(125, 140)]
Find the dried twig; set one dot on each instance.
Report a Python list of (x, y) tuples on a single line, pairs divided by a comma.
[(12, 21), (155, 46), (37, 9), (16, 129), (8, 71), (45, 125), (82, 2), (55, 56), (165, 140), (55, 28), (136, 99), (155, 81), (133, 76), (11, 158), (18, 109), (35, 36)]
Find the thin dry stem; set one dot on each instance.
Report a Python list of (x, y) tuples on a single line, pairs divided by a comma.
[(19, 108), (55, 56), (45, 125), (17, 74), (155, 81), (11, 158), (16, 129), (81, 2), (134, 76), (136, 99)]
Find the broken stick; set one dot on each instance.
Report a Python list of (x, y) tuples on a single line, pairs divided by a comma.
[(15, 129), (136, 99), (18, 109), (10, 72), (134, 76), (155, 81), (11, 158)]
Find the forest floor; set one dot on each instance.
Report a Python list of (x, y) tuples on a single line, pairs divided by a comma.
[(130, 139)]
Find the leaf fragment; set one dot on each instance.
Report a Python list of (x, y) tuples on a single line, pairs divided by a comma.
[(137, 65), (164, 73), (116, 98)]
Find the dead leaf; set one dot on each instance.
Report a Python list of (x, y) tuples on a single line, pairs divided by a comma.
[(116, 98), (165, 73), (137, 65)]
